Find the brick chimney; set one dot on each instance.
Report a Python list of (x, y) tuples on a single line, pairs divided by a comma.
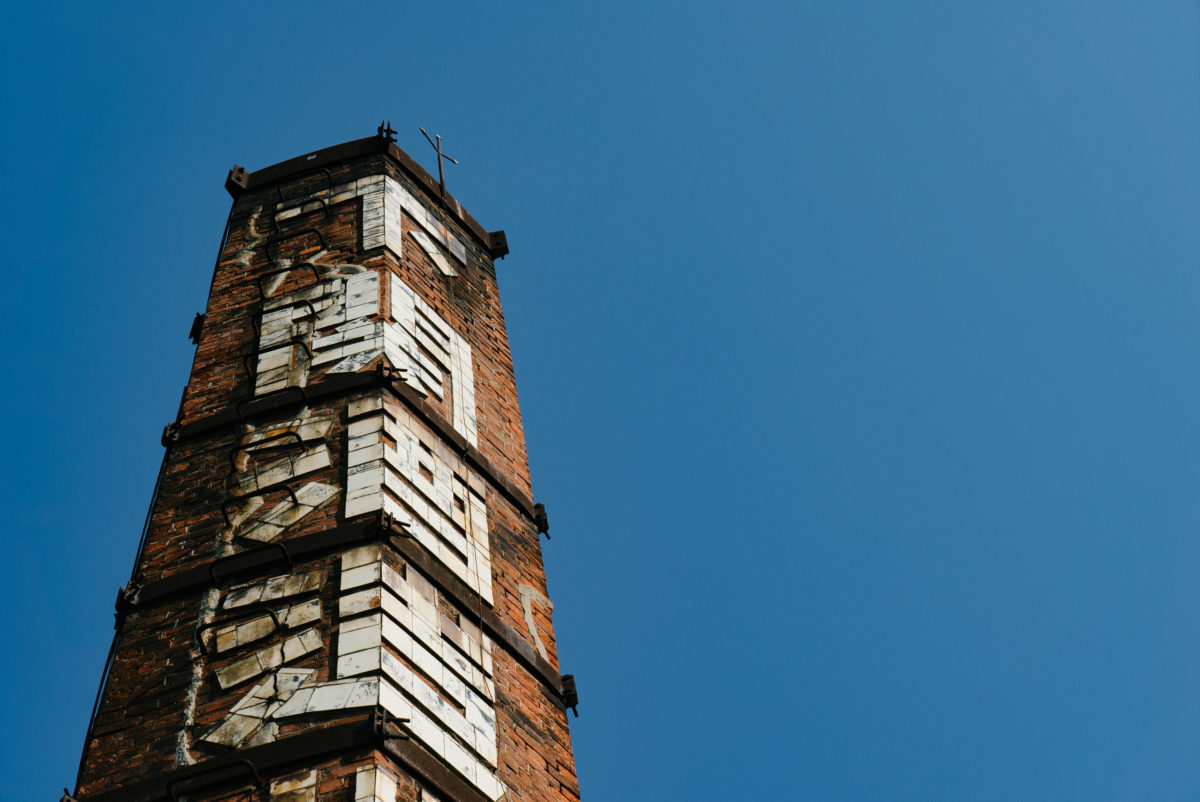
[(339, 595)]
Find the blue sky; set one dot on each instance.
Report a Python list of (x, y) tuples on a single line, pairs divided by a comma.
[(856, 345)]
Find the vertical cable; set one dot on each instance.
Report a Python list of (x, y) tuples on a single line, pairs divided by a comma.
[(162, 469)]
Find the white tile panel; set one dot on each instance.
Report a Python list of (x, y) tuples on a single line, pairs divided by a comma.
[(447, 698), (277, 587), (415, 324)]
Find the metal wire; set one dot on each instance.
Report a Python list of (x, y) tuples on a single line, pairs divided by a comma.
[(112, 649)]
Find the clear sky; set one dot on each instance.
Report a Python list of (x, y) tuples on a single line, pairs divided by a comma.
[(856, 342)]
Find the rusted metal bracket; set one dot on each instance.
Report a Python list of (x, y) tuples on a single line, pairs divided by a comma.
[(382, 725), (388, 373), (497, 244), (389, 524), (541, 520), (197, 328), (170, 433), (126, 601), (569, 694), (237, 181), (251, 373)]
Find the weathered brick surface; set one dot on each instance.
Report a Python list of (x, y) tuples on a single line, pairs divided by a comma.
[(470, 302), (163, 695)]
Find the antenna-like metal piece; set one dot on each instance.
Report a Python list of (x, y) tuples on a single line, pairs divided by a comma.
[(386, 131), (438, 147)]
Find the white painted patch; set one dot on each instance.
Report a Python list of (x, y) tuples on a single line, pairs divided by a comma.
[(383, 200), (453, 656), (428, 486), (442, 682), (435, 358), (530, 594), (289, 616), (306, 426), (373, 784), (273, 656), (343, 336), (284, 469), (434, 252), (277, 587), (327, 322), (300, 787), (273, 454), (283, 515), (442, 685), (332, 695), (258, 705), (449, 697), (427, 219)]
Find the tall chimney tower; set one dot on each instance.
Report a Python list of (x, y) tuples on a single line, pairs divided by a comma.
[(339, 594)]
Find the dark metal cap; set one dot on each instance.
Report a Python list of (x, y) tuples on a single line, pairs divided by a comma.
[(498, 244), (237, 180), (570, 694)]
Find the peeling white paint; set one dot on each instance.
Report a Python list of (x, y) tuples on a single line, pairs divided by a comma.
[(434, 252), (272, 454), (262, 661), (383, 200), (286, 513), (373, 784), (399, 466), (300, 787), (443, 682), (530, 594), (253, 629), (260, 703), (276, 587), (293, 340), (435, 358)]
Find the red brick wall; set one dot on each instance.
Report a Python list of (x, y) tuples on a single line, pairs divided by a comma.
[(159, 675)]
